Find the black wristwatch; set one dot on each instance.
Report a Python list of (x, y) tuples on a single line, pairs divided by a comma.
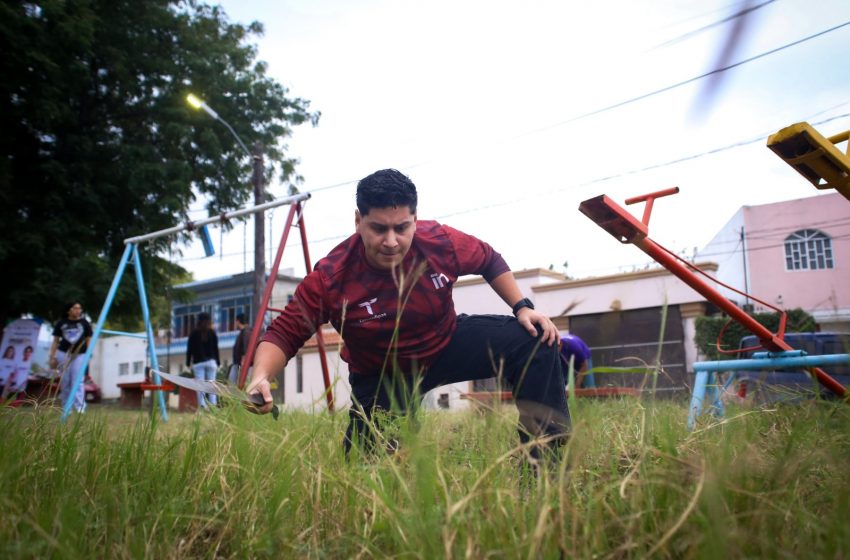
[(524, 302)]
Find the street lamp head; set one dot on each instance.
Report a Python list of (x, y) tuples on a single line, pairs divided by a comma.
[(196, 102), (193, 100)]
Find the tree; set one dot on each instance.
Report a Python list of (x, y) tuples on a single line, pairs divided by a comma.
[(99, 145)]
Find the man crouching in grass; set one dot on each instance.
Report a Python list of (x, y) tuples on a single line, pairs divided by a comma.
[(387, 290)]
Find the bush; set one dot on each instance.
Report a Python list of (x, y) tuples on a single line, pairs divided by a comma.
[(708, 329)]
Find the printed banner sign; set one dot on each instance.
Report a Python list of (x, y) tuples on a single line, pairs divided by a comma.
[(20, 341)]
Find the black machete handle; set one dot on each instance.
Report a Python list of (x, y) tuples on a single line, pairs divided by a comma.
[(256, 401)]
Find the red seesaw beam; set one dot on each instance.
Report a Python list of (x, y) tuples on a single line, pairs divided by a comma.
[(614, 219)]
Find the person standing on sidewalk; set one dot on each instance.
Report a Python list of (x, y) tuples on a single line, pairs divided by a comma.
[(71, 337), (240, 347), (202, 356)]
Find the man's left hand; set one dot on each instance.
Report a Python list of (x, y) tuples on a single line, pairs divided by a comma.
[(531, 318)]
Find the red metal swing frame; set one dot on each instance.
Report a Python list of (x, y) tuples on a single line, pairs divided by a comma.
[(295, 218)]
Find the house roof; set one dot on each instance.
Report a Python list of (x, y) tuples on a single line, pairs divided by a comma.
[(524, 273), (331, 339), (621, 277), (232, 280)]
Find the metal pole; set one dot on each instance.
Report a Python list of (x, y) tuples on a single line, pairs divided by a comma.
[(780, 362), (143, 300), (744, 259), (223, 218), (320, 339), (259, 312), (116, 281), (259, 235)]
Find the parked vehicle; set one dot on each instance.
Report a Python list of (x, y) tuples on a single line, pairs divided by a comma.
[(795, 384), (40, 387), (92, 389)]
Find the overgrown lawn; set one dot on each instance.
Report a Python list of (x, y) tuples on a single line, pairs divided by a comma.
[(633, 483)]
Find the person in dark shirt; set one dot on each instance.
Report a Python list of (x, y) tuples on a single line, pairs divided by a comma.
[(71, 337), (388, 291), (202, 356), (240, 347)]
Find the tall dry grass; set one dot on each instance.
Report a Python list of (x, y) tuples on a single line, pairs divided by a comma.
[(633, 483)]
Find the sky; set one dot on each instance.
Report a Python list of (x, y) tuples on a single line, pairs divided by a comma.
[(507, 114)]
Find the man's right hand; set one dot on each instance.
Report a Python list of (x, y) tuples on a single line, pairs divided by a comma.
[(268, 362), (263, 388)]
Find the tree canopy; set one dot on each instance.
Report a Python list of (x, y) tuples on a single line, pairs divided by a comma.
[(98, 143)]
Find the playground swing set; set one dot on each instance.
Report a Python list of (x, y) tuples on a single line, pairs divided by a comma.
[(131, 254), (820, 162)]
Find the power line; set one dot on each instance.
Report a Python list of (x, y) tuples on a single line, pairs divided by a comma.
[(765, 247), (595, 181), (701, 256), (633, 100), (771, 233), (685, 82), (599, 111), (618, 175), (640, 98), (703, 14), (727, 19), (751, 235)]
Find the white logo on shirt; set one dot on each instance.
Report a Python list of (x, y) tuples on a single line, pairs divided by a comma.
[(72, 333), (439, 279), (368, 305)]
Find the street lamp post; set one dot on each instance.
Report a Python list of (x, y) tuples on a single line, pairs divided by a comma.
[(259, 198), (259, 233)]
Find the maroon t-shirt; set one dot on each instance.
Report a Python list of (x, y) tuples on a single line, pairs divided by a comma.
[(364, 304)]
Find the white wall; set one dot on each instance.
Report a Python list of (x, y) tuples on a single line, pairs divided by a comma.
[(473, 295), (634, 290), (312, 397), (109, 353), (727, 250)]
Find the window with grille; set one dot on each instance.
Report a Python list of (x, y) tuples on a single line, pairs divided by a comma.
[(124, 368), (228, 309), (186, 317), (808, 249)]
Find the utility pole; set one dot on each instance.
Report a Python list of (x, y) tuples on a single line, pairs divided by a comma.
[(259, 231), (747, 305)]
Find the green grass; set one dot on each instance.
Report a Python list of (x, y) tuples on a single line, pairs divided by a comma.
[(634, 483)]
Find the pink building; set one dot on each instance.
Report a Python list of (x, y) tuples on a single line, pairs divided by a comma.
[(792, 254)]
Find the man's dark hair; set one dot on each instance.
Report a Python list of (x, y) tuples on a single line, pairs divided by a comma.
[(241, 318), (67, 308), (387, 188)]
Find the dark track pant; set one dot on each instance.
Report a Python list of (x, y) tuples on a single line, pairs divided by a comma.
[(483, 346)]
